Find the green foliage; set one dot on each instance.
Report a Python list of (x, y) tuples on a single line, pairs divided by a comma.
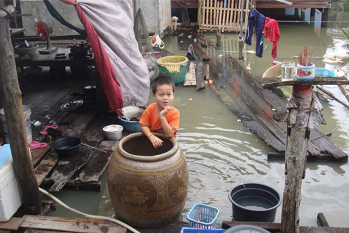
[(346, 6), (346, 33), (343, 6)]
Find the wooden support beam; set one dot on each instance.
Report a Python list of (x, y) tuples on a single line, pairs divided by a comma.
[(70, 224), (295, 160), (10, 95), (330, 94), (344, 91)]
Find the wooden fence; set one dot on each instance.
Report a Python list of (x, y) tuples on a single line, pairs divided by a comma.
[(223, 15)]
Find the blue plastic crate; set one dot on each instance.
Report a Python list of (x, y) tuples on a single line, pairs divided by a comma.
[(202, 216), (196, 230)]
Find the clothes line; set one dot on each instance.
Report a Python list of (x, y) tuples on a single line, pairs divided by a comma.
[(264, 27)]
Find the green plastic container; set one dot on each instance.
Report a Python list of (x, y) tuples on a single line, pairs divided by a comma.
[(173, 66)]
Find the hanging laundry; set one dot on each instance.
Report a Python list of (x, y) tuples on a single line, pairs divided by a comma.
[(272, 33), (255, 20)]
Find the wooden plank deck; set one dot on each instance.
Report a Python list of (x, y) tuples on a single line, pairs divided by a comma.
[(45, 95)]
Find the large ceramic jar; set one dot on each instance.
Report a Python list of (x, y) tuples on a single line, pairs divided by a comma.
[(148, 186)]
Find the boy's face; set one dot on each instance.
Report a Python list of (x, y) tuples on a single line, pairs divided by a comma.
[(164, 95)]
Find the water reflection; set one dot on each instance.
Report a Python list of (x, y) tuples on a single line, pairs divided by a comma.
[(222, 153)]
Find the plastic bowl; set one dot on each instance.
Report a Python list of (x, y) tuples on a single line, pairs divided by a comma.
[(22, 49), (113, 132), (66, 146)]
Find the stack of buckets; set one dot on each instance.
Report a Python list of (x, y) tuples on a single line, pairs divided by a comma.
[(27, 122)]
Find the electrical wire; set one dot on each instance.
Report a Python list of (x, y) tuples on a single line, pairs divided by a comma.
[(88, 215)]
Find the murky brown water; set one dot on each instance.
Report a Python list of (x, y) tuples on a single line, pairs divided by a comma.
[(222, 153)]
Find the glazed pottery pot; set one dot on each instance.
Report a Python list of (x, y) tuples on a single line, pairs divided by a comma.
[(148, 186), (305, 72)]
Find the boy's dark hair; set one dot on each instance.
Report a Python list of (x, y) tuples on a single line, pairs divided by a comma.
[(160, 81)]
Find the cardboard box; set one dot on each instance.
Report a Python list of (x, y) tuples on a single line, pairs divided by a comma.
[(10, 198)]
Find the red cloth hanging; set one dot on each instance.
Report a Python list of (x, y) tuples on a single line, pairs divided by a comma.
[(112, 88), (272, 33)]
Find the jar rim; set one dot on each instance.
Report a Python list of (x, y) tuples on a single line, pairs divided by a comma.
[(153, 158)]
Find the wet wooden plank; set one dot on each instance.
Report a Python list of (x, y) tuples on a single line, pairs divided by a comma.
[(12, 225), (95, 167), (248, 121), (94, 129), (99, 161), (70, 224), (63, 119), (43, 89), (67, 166), (281, 157), (276, 82), (214, 74), (200, 73), (78, 126), (76, 185), (326, 145), (46, 166), (275, 227), (199, 52), (48, 106), (206, 40)]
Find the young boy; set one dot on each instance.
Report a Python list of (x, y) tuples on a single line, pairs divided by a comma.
[(161, 117)]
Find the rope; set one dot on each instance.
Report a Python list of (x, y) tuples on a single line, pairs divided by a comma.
[(88, 215)]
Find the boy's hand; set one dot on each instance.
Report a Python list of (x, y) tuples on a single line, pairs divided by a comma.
[(165, 111), (157, 142)]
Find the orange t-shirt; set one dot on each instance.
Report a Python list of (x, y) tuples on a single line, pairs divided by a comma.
[(150, 119)]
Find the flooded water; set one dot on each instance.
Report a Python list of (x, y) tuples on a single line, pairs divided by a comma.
[(221, 153)]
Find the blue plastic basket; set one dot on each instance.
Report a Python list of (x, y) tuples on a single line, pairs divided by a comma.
[(203, 216), (196, 230)]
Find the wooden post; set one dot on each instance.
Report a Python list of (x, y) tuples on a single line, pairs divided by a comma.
[(344, 91), (10, 95), (295, 158)]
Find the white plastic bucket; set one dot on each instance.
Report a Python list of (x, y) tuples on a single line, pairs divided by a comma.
[(27, 122)]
